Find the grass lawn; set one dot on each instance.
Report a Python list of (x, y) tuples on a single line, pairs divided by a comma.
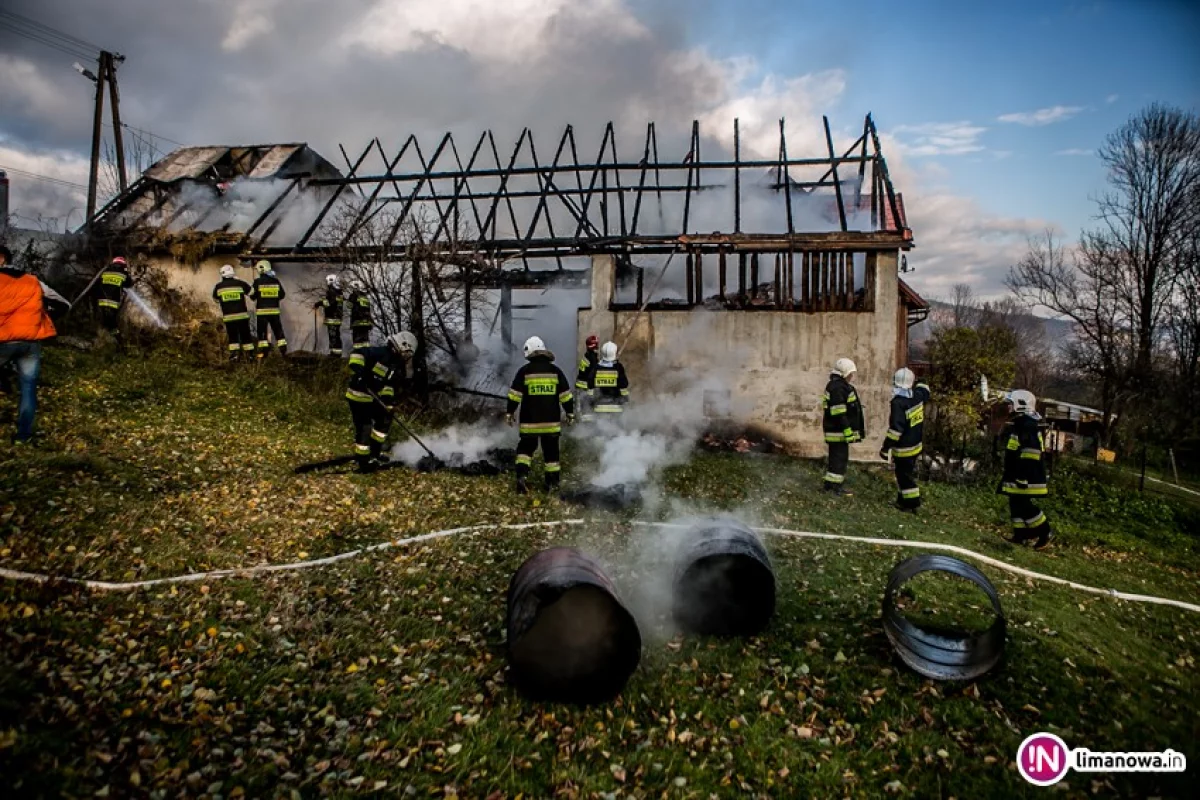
[(385, 674)]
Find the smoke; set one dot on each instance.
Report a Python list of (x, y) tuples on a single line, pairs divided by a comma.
[(473, 442), (202, 207)]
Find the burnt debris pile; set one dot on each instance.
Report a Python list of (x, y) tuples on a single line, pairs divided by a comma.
[(605, 498), (724, 583), (570, 639), (494, 462)]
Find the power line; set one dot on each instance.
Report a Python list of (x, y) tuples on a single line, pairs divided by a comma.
[(51, 32), (37, 176), (49, 42)]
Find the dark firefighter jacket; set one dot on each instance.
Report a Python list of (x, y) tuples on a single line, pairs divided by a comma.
[(609, 388), (266, 294), (333, 306), (589, 360), (360, 310), (539, 388), (843, 417), (231, 293), (110, 291), (1024, 467), (906, 423), (378, 370)]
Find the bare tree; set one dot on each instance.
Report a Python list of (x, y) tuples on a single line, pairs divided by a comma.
[(1083, 290), (1146, 218)]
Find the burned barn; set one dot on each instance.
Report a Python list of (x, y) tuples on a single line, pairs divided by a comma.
[(743, 264)]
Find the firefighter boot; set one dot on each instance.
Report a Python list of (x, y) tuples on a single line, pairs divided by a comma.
[(1045, 536), (552, 482), (522, 486)]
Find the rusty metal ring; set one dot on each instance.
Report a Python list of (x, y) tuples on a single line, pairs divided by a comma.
[(937, 655)]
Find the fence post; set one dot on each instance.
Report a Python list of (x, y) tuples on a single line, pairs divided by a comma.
[(1174, 469)]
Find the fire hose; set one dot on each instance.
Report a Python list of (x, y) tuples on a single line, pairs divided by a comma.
[(394, 417)]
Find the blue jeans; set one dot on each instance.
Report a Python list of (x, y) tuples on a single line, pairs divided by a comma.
[(28, 356)]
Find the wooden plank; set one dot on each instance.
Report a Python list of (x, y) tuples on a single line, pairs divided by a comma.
[(849, 280), (699, 278), (721, 269), (779, 280), (754, 275), (691, 280), (741, 279), (805, 281)]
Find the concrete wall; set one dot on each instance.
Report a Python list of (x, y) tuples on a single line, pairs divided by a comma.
[(304, 284), (774, 363)]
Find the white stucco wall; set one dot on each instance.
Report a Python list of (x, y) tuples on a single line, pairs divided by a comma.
[(304, 283), (774, 363)]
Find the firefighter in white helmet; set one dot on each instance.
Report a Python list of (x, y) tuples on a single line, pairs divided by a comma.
[(267, 295), (376, 375), (231, 294), (906, 424), (842, 422), (332, 303), (608, 385), (539, 389), (1025, 471)]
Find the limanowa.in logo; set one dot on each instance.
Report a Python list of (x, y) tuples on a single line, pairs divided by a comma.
[(1043, 759)]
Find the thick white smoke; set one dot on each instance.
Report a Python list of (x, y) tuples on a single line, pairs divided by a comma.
[(471, 442)]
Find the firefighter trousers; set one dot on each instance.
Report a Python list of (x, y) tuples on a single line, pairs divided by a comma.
[(360, 336), (334, 329), (908, 494), (272, 323), (371, 426), (835, 468), (1028, 521), (241, 340), (110, 319), (527, 445)]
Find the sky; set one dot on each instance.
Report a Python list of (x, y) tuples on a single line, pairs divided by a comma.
[(990, 114)]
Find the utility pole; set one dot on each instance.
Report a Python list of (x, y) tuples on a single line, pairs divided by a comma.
[(106, 73)]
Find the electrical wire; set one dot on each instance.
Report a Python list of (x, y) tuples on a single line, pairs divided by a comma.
[(36, 176), (49, 31), (49, 42)]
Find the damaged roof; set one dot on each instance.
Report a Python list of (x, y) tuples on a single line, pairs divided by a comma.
[(222, 163)]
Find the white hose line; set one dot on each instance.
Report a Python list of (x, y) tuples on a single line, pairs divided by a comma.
[(962, 551), (245, 572)]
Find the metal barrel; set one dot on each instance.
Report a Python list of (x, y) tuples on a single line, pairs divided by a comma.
[(570, 638), (724, 583), (937, 654)]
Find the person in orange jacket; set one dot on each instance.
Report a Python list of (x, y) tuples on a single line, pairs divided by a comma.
[(24, 324)]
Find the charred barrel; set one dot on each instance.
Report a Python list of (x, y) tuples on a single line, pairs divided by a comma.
[(724, 583), (942, 655), (570, 639)]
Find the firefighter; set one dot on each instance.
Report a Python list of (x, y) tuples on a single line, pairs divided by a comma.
[(539, 388), (110, 295), (1025, 471), (903, 440), (608, 384), (586, 365), (375, 375), (334, 311), (360, 315), (267, 293), (842, 422), (231, 294)]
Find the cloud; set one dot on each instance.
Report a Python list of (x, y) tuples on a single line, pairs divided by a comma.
[(243, 71), (938, 139), (1112, 98), (1043, 116), (1075, 151), (37, 201)]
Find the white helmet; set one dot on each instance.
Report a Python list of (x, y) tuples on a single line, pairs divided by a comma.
[(357, 285), (1023, 402), (227, 271), (263, 267), (332, 280), (608, 351), (904, 378), (403, 343), (845, 367), (533, 344)]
